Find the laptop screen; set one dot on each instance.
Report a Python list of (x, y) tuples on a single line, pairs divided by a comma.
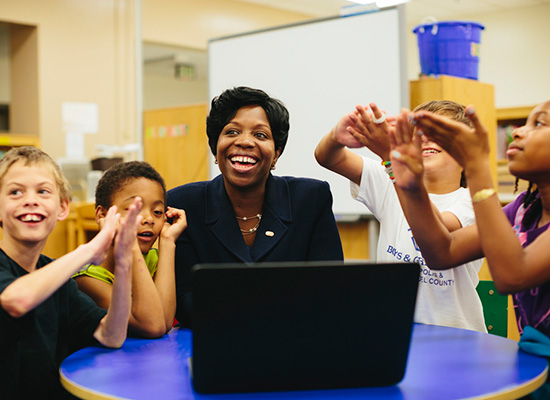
[(301, 325)]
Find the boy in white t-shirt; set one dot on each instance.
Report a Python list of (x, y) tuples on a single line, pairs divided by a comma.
[(445, 297)]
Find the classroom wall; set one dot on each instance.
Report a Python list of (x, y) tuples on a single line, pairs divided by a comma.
[(162, 90), (4, 65), (513, 49), (514, 54), (191, 23), (86, 53)]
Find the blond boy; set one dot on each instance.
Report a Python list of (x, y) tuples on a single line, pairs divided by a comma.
[(43, 315)]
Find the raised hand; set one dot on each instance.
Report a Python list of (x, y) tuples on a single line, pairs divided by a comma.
[(127, 233), (466, 145), (179, 224), (406, 154), (369, 131), (101, 243), (341, 134), (112, 330)]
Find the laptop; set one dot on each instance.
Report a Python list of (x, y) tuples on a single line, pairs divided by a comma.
[(301, 325)]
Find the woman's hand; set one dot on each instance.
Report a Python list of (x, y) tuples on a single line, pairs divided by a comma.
[(406, 155), (468, 146), (179, 224)]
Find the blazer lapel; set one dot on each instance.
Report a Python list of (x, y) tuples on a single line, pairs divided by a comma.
[(275, 218), (220, 217)]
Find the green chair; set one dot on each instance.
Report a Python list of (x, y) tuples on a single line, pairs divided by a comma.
[(495, 308)]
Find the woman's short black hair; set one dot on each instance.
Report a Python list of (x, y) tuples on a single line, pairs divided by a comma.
[(118, 175), (225, 106)]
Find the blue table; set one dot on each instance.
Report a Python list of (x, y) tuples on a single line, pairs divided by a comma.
[(444, 363)]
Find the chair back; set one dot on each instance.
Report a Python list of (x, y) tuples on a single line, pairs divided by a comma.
[(495, 308), (86, 227)]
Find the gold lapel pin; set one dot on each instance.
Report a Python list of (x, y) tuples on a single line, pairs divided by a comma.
[(269, 233)]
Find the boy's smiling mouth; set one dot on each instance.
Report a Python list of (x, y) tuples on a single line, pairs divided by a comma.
[(429, 151), (31, 217)]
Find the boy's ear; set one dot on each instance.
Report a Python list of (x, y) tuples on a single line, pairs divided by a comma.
[(64, 210), (100, 212)]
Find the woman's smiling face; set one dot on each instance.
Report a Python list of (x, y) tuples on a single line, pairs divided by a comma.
[(246, 149)]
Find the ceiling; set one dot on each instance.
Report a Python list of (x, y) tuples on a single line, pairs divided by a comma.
[(416, 10)]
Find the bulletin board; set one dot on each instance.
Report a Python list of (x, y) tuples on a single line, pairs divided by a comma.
[(320, 70)]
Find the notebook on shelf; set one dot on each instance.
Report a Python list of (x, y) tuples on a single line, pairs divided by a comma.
[(301, 325)]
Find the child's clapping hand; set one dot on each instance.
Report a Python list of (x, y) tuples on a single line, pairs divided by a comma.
[(371, 128), (406, 154), (126, 234), (100, 244), (172, 231), (342, 134)]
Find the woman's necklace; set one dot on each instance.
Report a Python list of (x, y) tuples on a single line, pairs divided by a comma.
[(251, 230)]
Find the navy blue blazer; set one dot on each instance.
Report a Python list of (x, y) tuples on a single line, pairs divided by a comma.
[(297, 217)]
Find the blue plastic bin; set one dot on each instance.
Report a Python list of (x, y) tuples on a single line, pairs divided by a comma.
[(449, 48)]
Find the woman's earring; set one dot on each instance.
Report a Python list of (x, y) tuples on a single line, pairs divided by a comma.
[(273, 167), (216, 160)]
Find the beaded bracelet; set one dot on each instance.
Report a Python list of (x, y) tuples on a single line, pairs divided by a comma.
[(389, 170)]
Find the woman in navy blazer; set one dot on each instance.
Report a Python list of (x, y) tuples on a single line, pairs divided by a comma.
[(246, 214)]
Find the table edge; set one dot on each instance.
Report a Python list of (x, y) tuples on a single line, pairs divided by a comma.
[(517, 391), (82, 391)]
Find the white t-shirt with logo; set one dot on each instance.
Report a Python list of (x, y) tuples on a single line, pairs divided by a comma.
[(445, 297)]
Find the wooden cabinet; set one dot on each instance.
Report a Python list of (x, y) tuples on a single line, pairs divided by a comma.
[(355, 239), (175, 143), (9, 140), (464, 91)]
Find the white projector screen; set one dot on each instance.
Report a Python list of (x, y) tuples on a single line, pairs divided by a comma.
[(320, 70)]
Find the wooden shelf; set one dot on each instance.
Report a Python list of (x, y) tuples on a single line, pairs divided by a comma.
[(512, 113), (463, 91), (18, 139), (506, 117)]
